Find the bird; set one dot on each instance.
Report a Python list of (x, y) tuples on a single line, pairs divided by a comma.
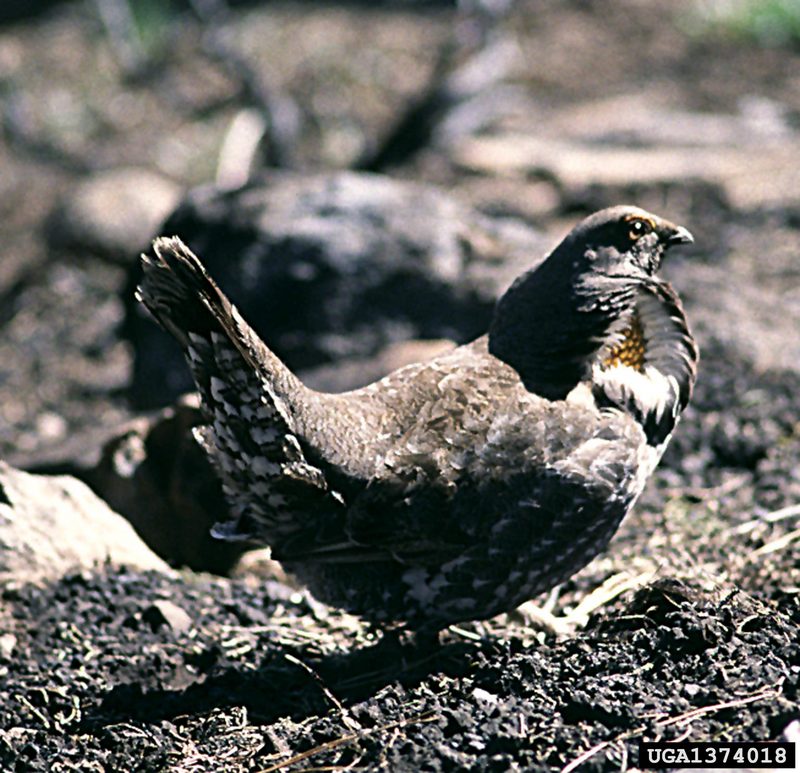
[(458, 488)]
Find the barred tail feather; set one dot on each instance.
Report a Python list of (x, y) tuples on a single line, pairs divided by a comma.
[(179, 293), (248, 397)]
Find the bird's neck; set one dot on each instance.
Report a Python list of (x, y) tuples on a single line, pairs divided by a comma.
[(550, 333), (648, 366)]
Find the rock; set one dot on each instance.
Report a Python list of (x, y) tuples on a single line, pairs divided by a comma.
[(113, 213), (635, 144), (164, 612), (51, 525), (792, 731), (334, 266), (154, 473), (352, 374), (7, 644)]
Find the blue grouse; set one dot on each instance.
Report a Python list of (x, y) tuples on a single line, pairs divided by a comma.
[(461, 487)]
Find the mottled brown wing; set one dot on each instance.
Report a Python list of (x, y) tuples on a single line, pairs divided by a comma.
[(456, 479)]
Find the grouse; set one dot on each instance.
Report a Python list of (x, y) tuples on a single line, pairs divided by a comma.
[(457, 488)]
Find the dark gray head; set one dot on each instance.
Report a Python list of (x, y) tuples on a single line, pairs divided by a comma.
[(616, 247), (553, 318)]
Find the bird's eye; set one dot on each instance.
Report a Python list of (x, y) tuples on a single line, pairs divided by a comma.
[(638, 228)]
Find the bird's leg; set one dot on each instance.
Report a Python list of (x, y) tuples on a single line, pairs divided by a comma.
[(542, 617), (574, 619)]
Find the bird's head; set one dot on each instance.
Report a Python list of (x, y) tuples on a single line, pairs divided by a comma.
[(554, 319), (617, 248)]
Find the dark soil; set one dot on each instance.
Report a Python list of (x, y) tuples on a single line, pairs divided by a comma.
[(116, 670), (100, 678)]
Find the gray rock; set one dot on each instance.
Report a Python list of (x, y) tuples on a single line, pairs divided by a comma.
[(164, 612), (352, 374), (337, 265), (113, 213), (7, 644), (52, 525), (634, 144)]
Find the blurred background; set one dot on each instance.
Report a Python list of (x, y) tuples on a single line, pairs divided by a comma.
[(527, 112)]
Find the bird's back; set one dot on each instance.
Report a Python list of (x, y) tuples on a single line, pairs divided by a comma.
[(461, 405)]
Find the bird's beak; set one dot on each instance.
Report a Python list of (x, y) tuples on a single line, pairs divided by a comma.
[(677, 235)]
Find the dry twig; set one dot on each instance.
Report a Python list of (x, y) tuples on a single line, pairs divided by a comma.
[(337, 742), (681, 719)]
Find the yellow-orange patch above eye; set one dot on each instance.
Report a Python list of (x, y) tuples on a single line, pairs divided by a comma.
[(630, 351)]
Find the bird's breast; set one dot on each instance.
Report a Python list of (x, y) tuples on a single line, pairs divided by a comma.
[(630, 348)]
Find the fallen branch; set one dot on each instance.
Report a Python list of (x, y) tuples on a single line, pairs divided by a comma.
[(277, 112), (777, 544), (473, 61), (348, 720), (418, 720), (565, 625)]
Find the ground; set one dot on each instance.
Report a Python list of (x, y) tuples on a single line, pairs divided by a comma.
[(697, 624)]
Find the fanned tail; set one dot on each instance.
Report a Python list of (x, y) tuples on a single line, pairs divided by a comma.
[(179, 293), (247, 397)]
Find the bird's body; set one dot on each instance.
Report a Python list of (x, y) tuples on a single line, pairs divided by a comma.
[(461, 487)]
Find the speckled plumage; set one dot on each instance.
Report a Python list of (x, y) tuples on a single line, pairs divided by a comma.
[(458, 488)]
